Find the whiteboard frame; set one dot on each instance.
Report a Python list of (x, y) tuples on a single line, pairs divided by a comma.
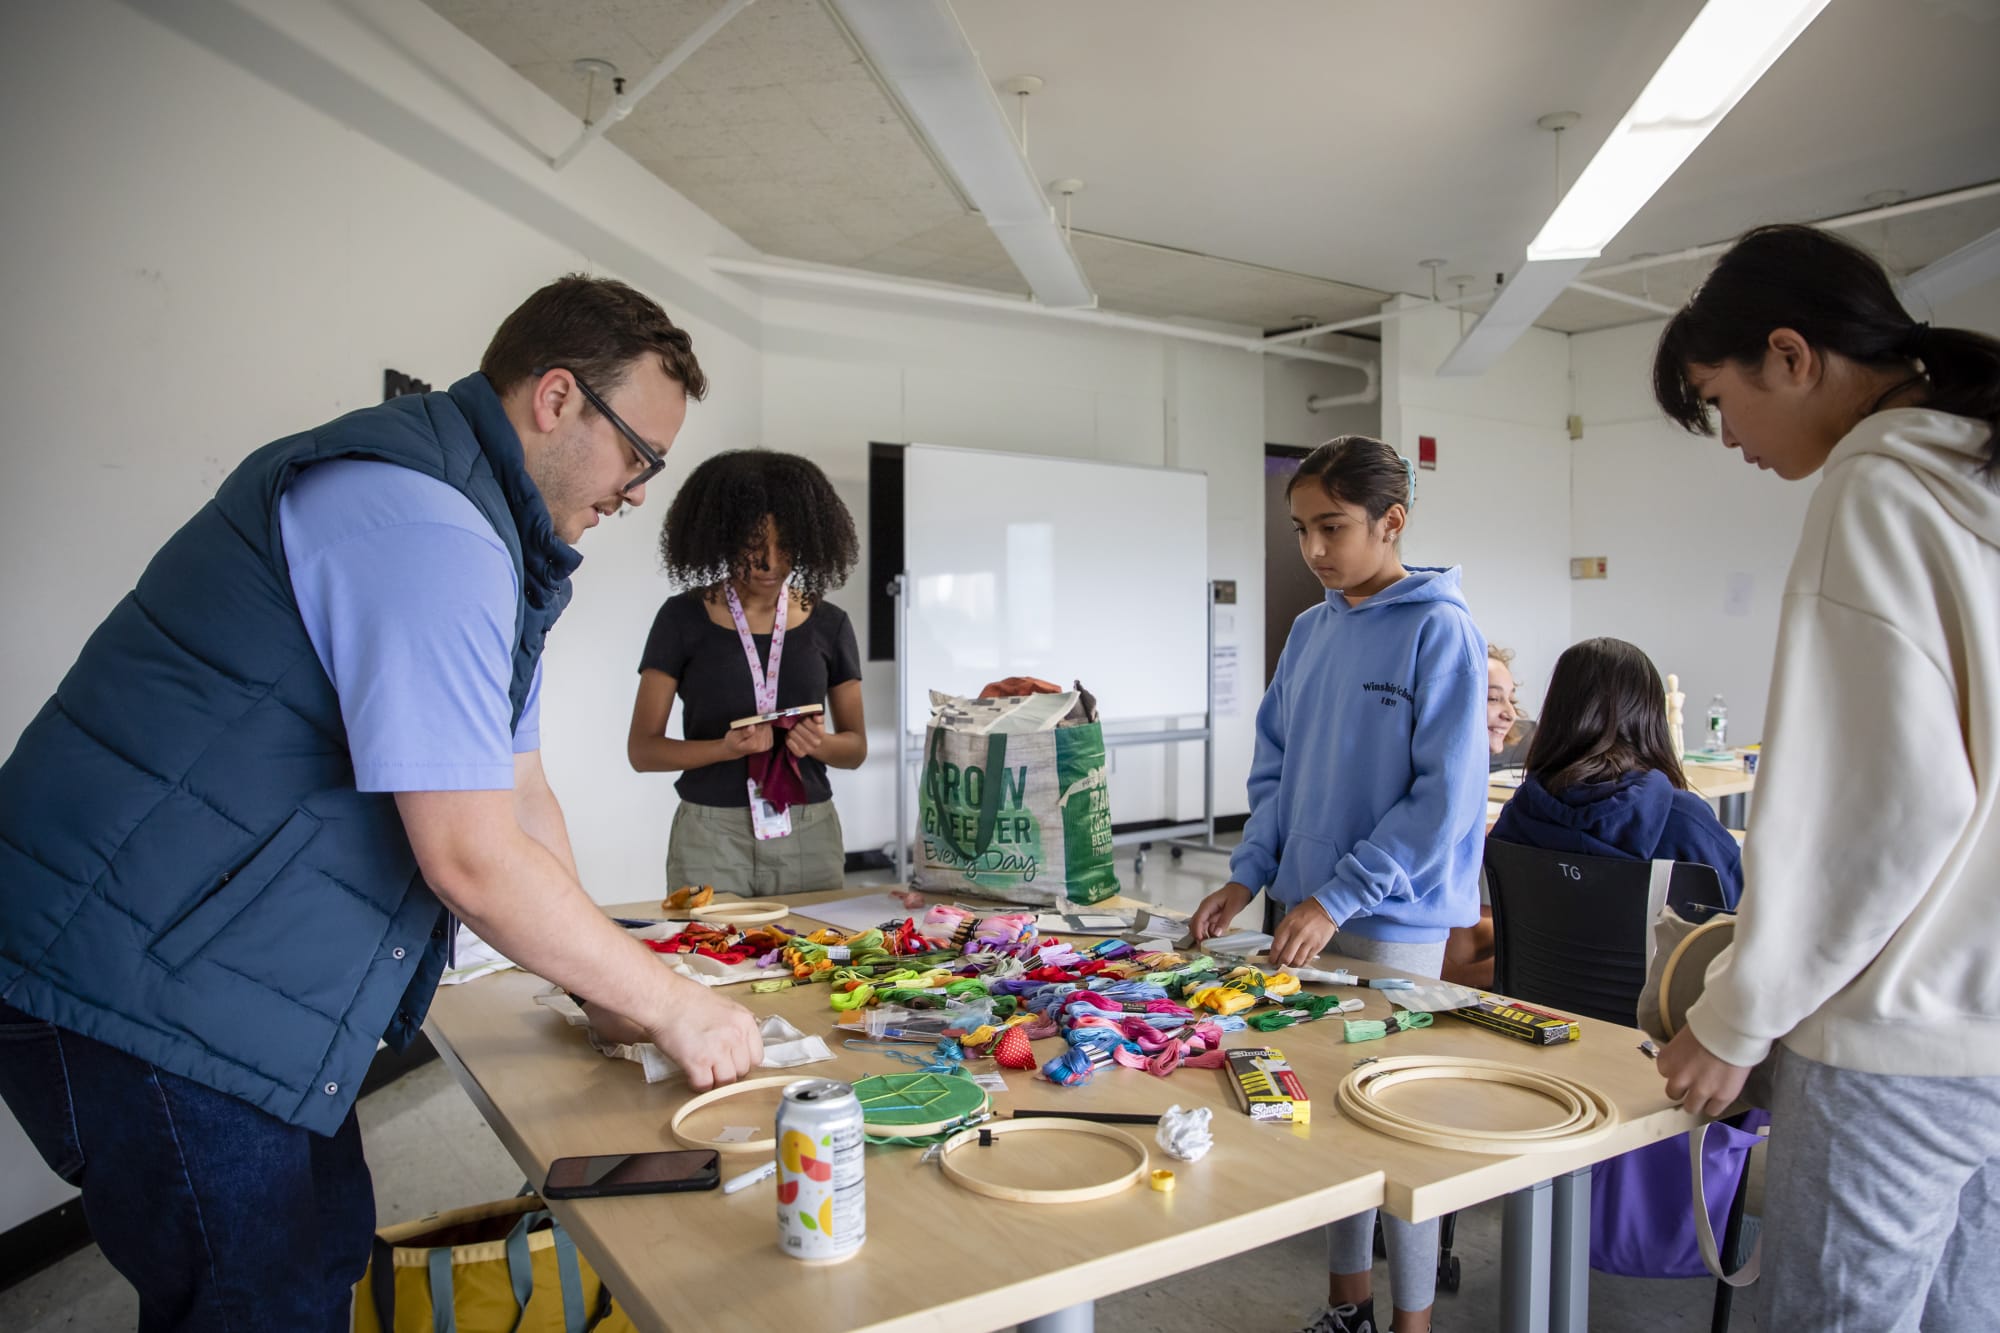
[(1198, 835)]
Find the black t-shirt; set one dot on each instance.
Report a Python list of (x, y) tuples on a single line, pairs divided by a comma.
[(715, 687)]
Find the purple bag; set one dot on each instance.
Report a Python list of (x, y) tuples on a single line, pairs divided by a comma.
[(1641, 1203)]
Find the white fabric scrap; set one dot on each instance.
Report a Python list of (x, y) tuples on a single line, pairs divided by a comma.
[(784, 1045)]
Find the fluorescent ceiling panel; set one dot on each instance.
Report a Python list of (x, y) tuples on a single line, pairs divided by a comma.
[(922, 53), (1718, 59)]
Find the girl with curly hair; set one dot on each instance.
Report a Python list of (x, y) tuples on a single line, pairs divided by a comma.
[(754, 539)]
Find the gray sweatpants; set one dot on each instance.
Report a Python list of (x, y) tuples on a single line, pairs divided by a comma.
[(1881, 1202), (1413, 1246)]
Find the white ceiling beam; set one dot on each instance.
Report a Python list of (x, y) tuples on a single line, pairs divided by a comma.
[(1972, 265), (926, 61), (1520, 303), (1725, 50)]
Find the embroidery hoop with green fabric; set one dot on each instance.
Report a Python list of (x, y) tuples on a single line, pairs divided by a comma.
[(915, 1107)]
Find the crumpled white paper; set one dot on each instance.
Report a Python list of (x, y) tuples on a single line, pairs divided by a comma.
[(1185, 1135), (784, 1045)]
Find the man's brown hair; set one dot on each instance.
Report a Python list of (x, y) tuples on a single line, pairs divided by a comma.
[(595, 328)]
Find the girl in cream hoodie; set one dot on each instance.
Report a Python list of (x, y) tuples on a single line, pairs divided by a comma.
[(1868, 946)]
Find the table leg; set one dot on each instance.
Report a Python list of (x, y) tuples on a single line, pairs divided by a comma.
[(1076, 1319), (1526, 1223), (1569, 1262), (1734, 810)]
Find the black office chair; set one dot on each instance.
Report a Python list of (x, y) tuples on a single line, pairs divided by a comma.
[(1570, 931)]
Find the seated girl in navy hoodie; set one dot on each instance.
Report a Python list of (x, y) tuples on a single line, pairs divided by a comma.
[(1368, 790), (1602, 776)]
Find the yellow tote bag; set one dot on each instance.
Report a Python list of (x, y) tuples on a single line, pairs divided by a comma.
[(505, 1267)]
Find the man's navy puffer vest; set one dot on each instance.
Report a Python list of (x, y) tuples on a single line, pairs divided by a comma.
[(186, 870)]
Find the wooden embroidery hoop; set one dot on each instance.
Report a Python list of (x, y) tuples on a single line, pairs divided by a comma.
[(740, 914), (1019, 1194), (1586, 1114), (694, 1104), (1685, 972)]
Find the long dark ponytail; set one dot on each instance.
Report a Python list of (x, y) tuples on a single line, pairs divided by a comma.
[(1836, 297)]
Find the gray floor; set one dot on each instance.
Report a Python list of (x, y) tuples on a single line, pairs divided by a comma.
[(429, 1150)]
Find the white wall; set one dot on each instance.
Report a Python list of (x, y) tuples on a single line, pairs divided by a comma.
[(843, 371), (1498, 503), (1682, 521)]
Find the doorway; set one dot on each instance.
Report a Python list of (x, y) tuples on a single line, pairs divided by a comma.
[(1289, 587)]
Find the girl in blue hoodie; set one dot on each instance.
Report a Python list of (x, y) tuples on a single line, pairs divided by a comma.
[(1602, 776), (1368, 789)]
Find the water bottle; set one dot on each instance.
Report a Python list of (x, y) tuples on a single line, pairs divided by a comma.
[(1718, 726)]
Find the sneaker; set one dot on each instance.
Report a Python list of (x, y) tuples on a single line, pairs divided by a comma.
[(1345, 1319)]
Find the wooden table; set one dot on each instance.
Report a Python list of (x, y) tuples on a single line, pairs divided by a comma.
[(938, 1257), (1726, 785)]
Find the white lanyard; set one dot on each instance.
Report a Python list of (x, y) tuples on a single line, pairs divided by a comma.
[(764, 682), (765, 822)]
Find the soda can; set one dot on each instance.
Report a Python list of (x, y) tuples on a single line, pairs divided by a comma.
[(822, 1200)]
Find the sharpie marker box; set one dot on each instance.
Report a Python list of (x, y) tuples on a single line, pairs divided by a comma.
[(1522, 1022), (1266, 1086)]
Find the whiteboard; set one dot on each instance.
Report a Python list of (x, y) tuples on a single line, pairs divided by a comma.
[(1023, 565)]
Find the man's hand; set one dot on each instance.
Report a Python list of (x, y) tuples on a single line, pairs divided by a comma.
[(1302, 936), (739, 742), (1217, 910), (806, 736), (1703, 1084), (714, 1040)]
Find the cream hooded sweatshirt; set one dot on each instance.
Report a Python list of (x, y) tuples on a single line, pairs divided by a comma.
[(1869, 935)]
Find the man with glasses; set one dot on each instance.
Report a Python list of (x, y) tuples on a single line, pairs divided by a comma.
[(231, 845)]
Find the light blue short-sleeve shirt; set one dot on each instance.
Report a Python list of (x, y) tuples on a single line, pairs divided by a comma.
[(408, 597)]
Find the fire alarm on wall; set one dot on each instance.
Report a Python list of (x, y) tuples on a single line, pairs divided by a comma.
[(1427, 452)]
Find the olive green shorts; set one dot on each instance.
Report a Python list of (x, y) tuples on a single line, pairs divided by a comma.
[(712, 844)]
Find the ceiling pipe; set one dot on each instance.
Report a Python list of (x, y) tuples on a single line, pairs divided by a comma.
[(622, 108), (1320, 402), (851, 280), (1277, 340), (1948, 199), (1623, 298)]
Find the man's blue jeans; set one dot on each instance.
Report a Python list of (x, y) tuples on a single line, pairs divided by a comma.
[(225, 1218)]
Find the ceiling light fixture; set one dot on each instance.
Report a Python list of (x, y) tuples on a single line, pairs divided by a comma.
[(1723, 53), (925, 59), (1718, 59)]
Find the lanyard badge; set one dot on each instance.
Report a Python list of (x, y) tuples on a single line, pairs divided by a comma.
[(766, 822)]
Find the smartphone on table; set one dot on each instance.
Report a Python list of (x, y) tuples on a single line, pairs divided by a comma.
[(633, 1173)]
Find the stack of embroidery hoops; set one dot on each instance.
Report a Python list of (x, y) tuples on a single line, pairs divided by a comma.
[(1470, 1105)]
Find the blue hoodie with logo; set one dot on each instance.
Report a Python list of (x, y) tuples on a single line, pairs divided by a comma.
[(1639, 815), (1368, 788)]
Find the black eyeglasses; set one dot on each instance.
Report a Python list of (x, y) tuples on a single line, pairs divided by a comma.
[(651, 461)]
